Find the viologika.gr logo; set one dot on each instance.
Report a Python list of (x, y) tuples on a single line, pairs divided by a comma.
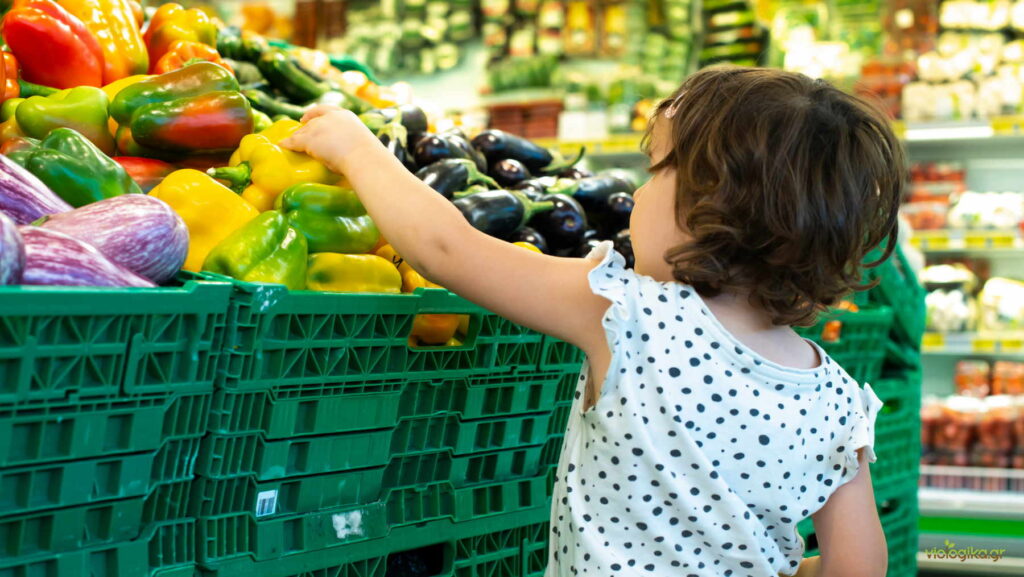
[(951, 552)]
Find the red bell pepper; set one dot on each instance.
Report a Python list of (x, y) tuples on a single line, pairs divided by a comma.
[(113, 23), (146, 172), (53, 46)]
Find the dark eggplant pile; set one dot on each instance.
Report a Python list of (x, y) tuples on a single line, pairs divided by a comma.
[(510, 187)]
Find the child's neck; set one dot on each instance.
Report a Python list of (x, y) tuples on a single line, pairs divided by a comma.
[(753, 327)]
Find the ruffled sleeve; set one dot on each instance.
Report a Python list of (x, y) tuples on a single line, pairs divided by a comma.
[(609, 278), (866, 405)]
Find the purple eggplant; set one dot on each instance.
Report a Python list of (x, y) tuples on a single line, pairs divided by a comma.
[(54, 258), (139, 232), (575, 173), (23, 197), (564, 225), (509, 172), (623, 242), (589, 241), (527, 234), (12, 251), (434, 147)]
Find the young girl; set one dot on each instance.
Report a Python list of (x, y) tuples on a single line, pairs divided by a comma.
[(704, 429)]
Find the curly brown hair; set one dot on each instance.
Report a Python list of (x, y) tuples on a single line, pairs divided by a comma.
[(783, 183)]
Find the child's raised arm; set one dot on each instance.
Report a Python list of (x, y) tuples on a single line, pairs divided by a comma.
[(548, 294), (849, 533)]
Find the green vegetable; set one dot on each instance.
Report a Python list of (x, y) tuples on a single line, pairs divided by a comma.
[(83, 108), (264, 250), (330, 217)]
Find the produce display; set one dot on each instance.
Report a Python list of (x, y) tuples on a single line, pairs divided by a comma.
[(162, 153)]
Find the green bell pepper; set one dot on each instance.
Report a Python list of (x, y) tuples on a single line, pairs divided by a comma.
[(192, 80), (330, 217), (71, 166), (264, 250), (8, 108), (83, 109)]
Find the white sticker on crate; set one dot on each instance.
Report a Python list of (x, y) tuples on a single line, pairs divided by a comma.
[(266, 503), (348, 524)]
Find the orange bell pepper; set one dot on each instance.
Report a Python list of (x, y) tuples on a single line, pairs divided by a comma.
[(183, 52), (112, 23), (434, 329), (9, 87)]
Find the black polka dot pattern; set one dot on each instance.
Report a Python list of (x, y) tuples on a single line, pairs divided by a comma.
[(700, 456)]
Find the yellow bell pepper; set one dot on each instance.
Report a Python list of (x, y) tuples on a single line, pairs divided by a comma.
[(352, 273), (117, 86), (429, 329), (211, 211), (261, 170), (527, 246)]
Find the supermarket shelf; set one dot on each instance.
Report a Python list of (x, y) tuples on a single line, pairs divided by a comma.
[(974, 504), (982, 242), (965, 344), (616, 145)]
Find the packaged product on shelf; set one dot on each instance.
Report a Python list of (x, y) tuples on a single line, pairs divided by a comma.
[(1008, 379), (987, 210), (1001, 305), (949, 304), (954, 431), (580, 29), (972, 378)]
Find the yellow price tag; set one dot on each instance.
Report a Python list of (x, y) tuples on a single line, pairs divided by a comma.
[(988, 239), (1011, 345), (938, 241), (982, 345), (933, 341)]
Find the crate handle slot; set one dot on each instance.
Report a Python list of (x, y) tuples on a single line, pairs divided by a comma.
[(429, 561)]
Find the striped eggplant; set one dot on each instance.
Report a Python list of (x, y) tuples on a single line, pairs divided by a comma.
[(139, 232), (12, 251), (23, 197), (54, 258)]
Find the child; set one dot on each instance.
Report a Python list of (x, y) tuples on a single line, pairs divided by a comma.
[(704, 429)]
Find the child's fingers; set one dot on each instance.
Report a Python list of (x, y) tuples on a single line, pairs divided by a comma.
[(318, 111), (296, 141)]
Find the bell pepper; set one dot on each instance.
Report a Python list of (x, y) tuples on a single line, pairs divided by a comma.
[(330, 217), (9, 87), (243, 45), (115, 88), (184, 52), (146, 172), (264, 250), (260, 120), (434, 329), (8, 108), (53, 46), (112, 23), (261, 170), (9, 130), (194, 109), (210, 211), (352, 273), (172, 23), (84, 109), (71, 166)]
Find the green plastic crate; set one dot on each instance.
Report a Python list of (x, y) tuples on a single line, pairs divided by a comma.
[(167, 550), (278, 337), (93, 428), (234, 455), (60, 343), (225, 537), (163, 477), (309, 494), (560, 355), (901, 356), (293, 411), (40, 534), (486, 546), (899, 289), (857, 350)]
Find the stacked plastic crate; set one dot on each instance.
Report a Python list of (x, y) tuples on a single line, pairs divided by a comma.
[(333, 445), (103, 397), (887, 354)]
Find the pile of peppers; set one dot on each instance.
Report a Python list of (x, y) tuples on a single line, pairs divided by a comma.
[(193, 114)]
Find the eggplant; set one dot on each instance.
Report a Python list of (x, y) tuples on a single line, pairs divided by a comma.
[(619, 208), (432, 147), (623, 243), (589, 241), (23, 197), (394, 137), (499, 213), (527, 234), (509, 172), (54, 258), (460, 140), (564, 225), (575, 173), (593, 192), (498, 145), (412, 118), (453, 175), (12, 251), (138, 232)]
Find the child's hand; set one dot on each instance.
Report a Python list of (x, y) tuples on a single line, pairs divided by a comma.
[(329, 134)]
